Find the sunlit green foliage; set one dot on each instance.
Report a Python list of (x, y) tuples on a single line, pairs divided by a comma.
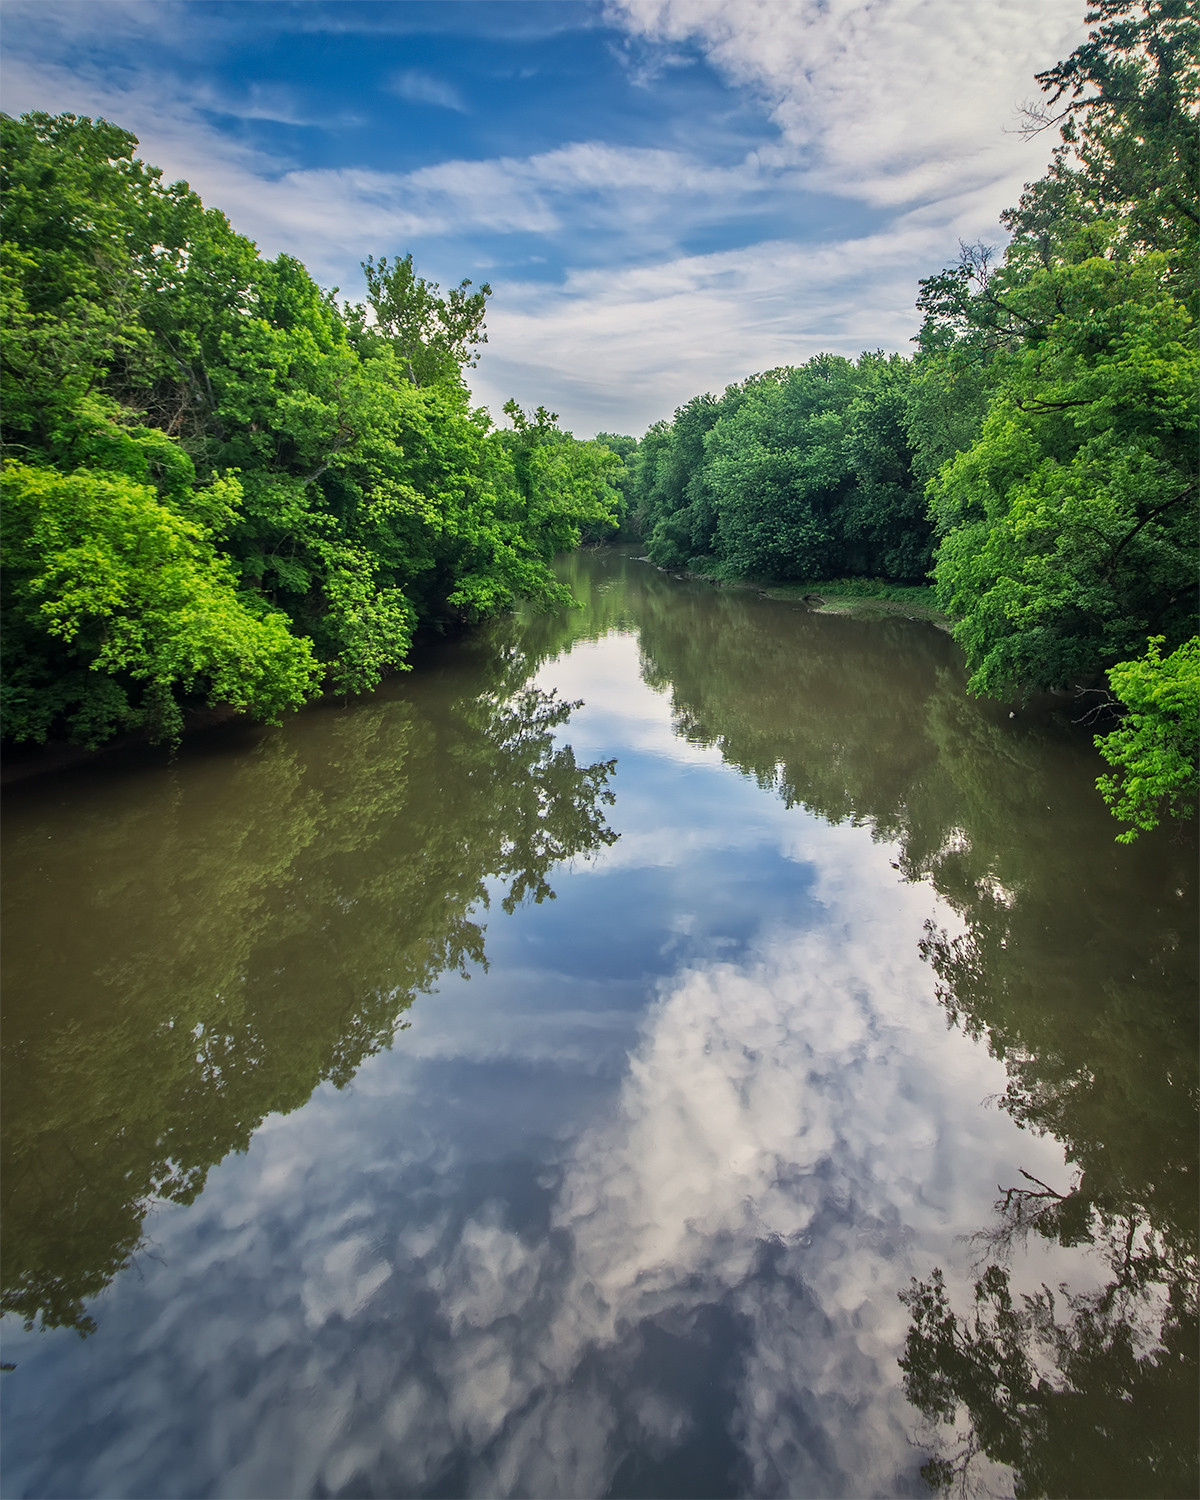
[(116, 605), (568, 487), (1125, 101), (1069, 526), (1157, 747), (433, 336), (330, 456), (779, 466)]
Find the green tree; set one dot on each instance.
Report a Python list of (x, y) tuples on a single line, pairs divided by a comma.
[(794, 473), (91, 238), (117, 609), (626, 449), (884, 524), (332, 458), (683, 509), (1069, 526), (780, 466), (1069, 523), (1125, 103), (1155, 750), (567, 486), (434, 337)]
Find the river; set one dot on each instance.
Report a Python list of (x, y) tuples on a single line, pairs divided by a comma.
[(682, 1046)]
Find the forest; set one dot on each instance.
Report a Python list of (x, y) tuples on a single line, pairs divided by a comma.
[(224, 485), (1036, 457), (221, 484)]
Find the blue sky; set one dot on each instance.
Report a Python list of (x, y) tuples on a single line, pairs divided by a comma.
[(666, 195)]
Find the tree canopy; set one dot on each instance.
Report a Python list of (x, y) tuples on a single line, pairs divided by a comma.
[(1036, 457), (314, 474), (324, 487)]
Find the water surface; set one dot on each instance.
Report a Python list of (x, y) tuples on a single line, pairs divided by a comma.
[(544, 1077)]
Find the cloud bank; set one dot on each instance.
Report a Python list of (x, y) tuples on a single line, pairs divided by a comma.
[(668, 267)]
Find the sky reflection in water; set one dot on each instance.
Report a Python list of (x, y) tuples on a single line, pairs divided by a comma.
[(626, 1214)]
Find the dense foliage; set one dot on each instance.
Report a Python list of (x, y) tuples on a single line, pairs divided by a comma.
[(222, 485), (1037, 456), (308, 483), (1154, 749), (798, 473)]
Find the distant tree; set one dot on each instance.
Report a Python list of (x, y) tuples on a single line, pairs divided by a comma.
[(626, 449), (779, 464), (883, 521)]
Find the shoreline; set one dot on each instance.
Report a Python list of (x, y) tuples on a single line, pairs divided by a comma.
[(830, 597)]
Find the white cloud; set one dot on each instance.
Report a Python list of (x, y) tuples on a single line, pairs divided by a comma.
[(890, 100), (908, 105), (424, 88), (905, 106), (258, 101), (616, 350), (71, 23), (333, 217)]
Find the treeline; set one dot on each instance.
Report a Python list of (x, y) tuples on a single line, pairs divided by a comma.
[(1037, 455), (805, 473), (221, 484)]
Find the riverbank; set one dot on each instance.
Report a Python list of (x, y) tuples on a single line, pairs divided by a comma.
[(20, 761), (866, 598)]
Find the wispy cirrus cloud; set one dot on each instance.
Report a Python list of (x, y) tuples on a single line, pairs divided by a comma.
[(630, 346), (631, 270), (331, 217), (424, 88)]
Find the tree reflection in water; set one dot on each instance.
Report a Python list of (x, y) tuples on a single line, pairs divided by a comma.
[(1081, 1393), (236, 935), (1089, 1003), (274, 923)]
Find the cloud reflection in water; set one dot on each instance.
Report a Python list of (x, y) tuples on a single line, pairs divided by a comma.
[(555, 1243)]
